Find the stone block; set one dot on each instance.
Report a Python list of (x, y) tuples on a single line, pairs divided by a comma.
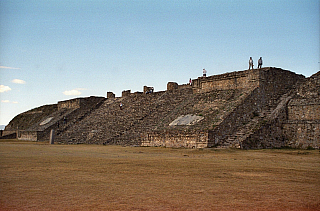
[(172, 86), (110, 95), (126, 93)]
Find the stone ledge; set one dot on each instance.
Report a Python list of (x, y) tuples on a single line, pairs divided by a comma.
[(302, 122), (304, 101)]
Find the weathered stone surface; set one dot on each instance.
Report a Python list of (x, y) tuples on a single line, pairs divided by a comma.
[(26, 119), (28, 135), (302, 134), (304, 109), (36, 124), (126, 93), (177, 140), (302, 128), (264, 108), (46, 121), (234, 80), (110, 95), (172, 86), (188, 119)]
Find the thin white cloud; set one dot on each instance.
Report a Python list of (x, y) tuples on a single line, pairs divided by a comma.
[(18, 81), (4, 88), (11, 68), (8, 101), (72, 92)]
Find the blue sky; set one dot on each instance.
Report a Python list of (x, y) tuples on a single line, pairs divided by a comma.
[(53, 50)]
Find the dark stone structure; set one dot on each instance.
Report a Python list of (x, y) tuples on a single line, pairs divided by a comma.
[(126, 93), (36, 124), (110, 95), (261, 108)]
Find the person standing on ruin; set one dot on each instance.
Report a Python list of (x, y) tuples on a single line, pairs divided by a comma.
[(190, 81), (250, 63), (120, 106), (260, 63), (204, 72)]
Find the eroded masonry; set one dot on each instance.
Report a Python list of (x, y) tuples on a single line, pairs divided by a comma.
[(260, 108)]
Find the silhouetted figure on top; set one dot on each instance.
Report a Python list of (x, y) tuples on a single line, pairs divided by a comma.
[(260, 63), (204, 72), (250, 63)]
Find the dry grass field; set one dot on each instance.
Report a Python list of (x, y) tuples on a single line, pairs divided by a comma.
[(37, 176)]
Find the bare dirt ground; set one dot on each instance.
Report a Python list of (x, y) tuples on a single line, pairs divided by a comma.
[(35, 176)]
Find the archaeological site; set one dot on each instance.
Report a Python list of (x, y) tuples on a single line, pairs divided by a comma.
[(250, 109)]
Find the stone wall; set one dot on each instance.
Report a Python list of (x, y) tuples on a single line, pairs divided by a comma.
[(69, 104), (184, 86), (8, 134), (172, 86), (302, 134), (297, 122), (234, 80), (270, 79), (126, 93), (28, 135), (110, 95), (79, 102), (304, 109), (302, 128), (176, 140)]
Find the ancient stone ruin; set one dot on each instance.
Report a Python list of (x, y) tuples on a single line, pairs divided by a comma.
[(260, 108)]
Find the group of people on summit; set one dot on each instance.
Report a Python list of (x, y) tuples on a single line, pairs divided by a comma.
[(251, 63), (250, 66)]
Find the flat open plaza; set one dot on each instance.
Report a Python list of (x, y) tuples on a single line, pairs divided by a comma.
[(37, 176)]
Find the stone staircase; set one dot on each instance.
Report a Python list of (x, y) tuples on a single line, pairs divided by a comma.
[(73, 116), (269, 112), (235, 140)]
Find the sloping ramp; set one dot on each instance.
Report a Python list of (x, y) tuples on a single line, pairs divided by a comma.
[(188, 119)]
